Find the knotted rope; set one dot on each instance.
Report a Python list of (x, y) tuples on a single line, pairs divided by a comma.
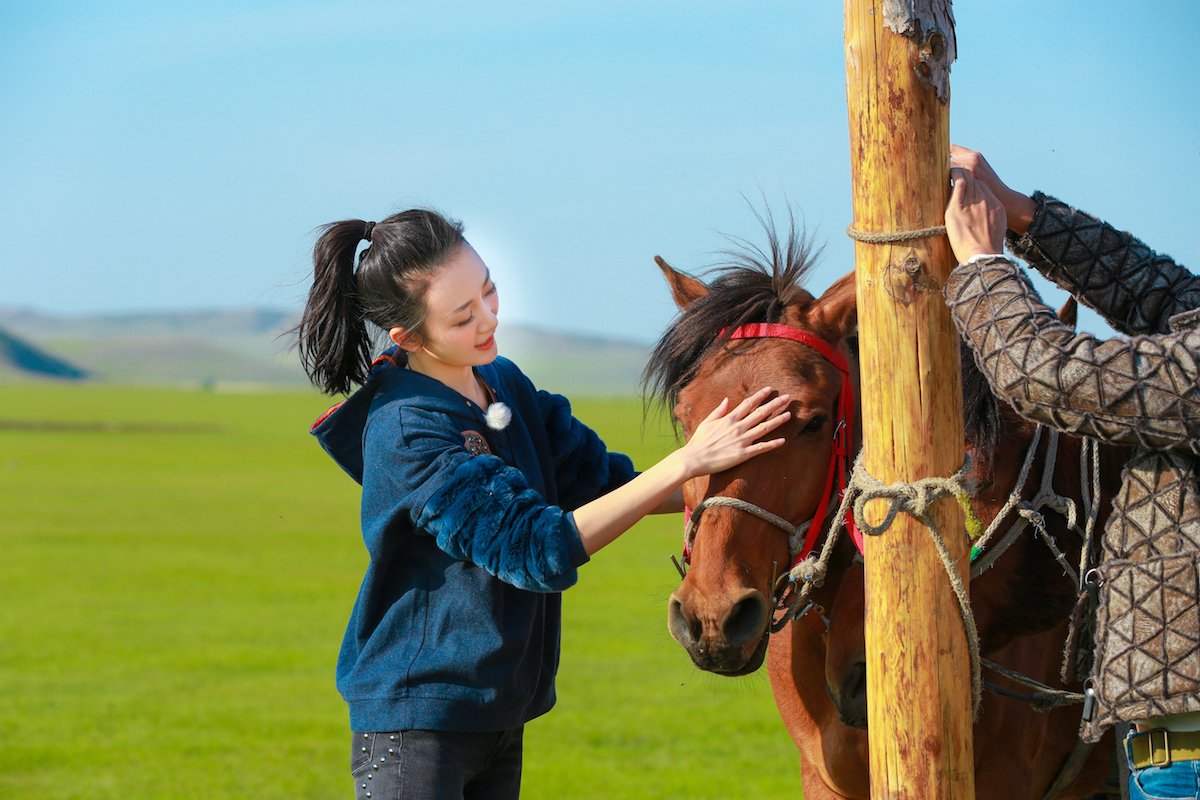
[(916, 499)]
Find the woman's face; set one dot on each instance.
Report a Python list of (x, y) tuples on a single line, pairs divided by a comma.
[(458, 331)]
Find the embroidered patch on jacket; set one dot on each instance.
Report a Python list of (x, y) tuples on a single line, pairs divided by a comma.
[(475, 443)]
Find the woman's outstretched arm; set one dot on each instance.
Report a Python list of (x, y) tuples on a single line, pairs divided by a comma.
[(724, 440)]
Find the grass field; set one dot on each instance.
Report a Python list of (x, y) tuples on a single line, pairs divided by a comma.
[(176, 573)]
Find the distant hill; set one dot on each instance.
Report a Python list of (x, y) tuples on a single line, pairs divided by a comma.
[(21, 360), (249, 348)]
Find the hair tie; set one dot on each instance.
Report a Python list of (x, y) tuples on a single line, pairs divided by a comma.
[(367, 232)]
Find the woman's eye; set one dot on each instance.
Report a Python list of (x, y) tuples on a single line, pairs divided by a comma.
[(465, 321)]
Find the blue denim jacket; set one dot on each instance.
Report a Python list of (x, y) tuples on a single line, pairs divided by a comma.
[(470, 536)]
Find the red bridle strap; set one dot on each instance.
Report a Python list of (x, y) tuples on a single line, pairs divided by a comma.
[(841, 436), (767, 330)]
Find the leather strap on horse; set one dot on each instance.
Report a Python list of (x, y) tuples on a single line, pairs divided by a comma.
[(1044, 699)]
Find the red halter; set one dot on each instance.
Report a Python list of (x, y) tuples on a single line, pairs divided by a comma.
[(841, 436)]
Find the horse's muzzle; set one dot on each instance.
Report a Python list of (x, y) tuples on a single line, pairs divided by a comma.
[(727, 639)]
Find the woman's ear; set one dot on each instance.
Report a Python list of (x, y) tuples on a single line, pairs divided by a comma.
[(407, 341)]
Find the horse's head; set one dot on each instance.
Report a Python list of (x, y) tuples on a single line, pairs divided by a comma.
[(723, 610)]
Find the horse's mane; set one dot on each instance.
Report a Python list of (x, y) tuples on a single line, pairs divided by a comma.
[(750, 286), (982, 412)]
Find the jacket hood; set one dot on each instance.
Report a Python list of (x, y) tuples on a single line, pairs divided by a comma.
[(340, 429)]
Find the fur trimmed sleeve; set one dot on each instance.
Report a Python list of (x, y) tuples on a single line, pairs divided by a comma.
[(487, 514), (583, 467)]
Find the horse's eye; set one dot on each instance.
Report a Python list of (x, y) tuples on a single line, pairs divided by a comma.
[(815, 424)]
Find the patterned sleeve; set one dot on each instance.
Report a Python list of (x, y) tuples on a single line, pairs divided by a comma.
[(583, 467), (1135, 289), (1126, 391)]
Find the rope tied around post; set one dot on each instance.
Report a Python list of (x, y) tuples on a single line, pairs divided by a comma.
[(872, 237), (916, 499)]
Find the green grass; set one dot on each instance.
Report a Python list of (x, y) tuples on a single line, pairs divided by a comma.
[(175, 575)]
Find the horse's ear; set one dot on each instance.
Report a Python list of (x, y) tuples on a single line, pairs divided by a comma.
[(1069, 313), (684, 288), (834, 314)]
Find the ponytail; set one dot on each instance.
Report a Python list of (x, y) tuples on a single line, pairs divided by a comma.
[(334, 347), (388, 290)]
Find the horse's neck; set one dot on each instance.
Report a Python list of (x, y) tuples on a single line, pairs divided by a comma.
[(831, 750)]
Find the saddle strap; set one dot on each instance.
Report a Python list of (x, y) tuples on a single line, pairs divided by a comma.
[(1070, 768)]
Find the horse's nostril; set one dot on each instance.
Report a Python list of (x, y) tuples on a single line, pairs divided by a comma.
[(678, 624), (746, 620)]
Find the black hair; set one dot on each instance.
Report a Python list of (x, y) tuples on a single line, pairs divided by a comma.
[(387, 289)]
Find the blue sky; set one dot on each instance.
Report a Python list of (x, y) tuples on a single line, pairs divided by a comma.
[(164, 156)]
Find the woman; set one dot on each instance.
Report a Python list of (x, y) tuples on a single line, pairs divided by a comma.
[(481, 497)]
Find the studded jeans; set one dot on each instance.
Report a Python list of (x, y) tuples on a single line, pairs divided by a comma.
[(436, 765)]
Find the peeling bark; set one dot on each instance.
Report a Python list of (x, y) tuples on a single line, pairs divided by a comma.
[(930, 24)]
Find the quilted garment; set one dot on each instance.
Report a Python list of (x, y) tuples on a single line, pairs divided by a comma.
[(1141, 391)]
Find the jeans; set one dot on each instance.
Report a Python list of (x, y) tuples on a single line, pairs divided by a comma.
[(1179, 780), (436, 765)]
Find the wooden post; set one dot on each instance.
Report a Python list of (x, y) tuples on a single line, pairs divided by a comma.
[(898, 54)]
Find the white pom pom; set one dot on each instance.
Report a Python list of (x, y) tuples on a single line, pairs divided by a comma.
[(498, 416)]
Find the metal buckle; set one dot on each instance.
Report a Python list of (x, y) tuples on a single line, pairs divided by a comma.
[(1166, 747)]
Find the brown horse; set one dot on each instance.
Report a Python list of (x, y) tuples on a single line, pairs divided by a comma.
[(723, 611)]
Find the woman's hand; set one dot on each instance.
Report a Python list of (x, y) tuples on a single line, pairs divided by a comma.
[(1017, 207), (727, 438), (975, 218)]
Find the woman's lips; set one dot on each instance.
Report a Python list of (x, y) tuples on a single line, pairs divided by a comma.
[(488, 344)]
